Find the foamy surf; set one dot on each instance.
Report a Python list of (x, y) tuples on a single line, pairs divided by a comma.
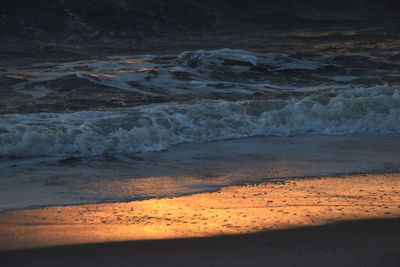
[(157, 126)]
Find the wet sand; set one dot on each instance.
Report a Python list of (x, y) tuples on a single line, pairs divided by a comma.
[(274, 205)]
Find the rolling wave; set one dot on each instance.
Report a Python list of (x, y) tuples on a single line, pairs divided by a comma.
[(157, 126)]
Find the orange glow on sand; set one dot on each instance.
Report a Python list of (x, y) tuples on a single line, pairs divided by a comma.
[(278, 204)]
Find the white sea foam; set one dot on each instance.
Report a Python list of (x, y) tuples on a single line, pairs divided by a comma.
[(155, 127)]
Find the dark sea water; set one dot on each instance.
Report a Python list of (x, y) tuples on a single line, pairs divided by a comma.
[(182, 123), (202, 96)]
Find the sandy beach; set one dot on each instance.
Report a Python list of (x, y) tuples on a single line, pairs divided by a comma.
[(315, 221)]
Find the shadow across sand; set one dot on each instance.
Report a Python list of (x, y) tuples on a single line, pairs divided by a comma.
[(352, 243)]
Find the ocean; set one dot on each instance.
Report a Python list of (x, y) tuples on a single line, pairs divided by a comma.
[(123, 128)]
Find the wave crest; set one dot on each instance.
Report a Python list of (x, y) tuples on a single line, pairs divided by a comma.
[(155, 127)]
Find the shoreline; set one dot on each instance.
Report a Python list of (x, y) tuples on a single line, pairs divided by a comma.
[(236, 184), (240, 209), (192, 168)]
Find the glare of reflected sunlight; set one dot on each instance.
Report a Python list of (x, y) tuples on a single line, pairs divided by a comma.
[(136, 62), (143, 69), (100, 75), (18, 77)]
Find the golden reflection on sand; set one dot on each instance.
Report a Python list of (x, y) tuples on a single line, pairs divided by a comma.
[(273, 205)]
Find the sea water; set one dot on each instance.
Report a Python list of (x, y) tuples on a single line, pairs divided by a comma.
[(200, 120)]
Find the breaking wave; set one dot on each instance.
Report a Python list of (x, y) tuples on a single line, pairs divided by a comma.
[(156, 127), (202, 74)]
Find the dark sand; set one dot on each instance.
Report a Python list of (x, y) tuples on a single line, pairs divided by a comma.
[(355, 243)]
